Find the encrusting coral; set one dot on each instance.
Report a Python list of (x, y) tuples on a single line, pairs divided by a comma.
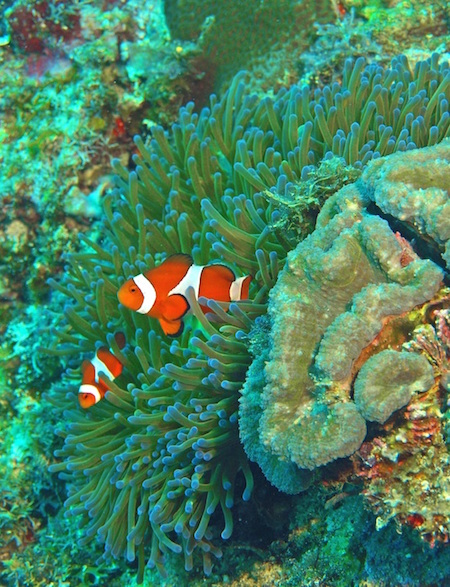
[(340, 310), (150, 464)]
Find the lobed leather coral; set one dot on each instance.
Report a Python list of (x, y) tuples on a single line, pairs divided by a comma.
[(340, 311), (150, 465)]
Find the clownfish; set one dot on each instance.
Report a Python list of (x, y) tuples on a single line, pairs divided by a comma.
[(160, 292), (92, 388)]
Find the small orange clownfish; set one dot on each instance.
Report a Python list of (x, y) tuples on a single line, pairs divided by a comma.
[(160, 292), (92, 388)]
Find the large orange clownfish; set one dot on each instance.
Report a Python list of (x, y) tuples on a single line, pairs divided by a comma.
[(160, 292), (92, 388)]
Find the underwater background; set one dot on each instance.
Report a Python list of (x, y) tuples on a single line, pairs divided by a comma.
[(299, 437)]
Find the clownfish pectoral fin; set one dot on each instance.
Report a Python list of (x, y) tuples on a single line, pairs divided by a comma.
[(175, 307), (171, 327)]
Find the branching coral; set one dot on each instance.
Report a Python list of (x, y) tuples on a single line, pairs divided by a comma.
[(153, 462)]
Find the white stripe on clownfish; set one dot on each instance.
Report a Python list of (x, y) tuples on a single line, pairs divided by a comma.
[(100, 367), (91, 389), (148, 293), (236, 288), (191, 279)]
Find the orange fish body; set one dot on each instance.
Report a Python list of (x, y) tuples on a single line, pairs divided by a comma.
[(92, 388), (161, 292)]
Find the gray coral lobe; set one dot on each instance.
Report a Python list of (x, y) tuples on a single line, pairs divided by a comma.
[(376, 396)]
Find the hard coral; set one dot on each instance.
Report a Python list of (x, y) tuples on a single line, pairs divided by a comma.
[(152, 462)]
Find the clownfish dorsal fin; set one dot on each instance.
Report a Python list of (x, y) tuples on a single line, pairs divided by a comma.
[(84, 366), (178, 259), (221, 271), (175, 307)]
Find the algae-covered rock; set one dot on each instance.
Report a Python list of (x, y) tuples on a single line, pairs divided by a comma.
[(387, 381), (351, 289)]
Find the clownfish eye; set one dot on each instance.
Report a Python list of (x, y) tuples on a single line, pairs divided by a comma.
[(133, 289)]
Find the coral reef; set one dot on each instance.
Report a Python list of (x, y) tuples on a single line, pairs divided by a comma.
[(28, 493), (35, 28), (408, 26), (26, 487), (34, 566), (279, 42), (348, 36), (152, 463), (78, 81), (340, 310)]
